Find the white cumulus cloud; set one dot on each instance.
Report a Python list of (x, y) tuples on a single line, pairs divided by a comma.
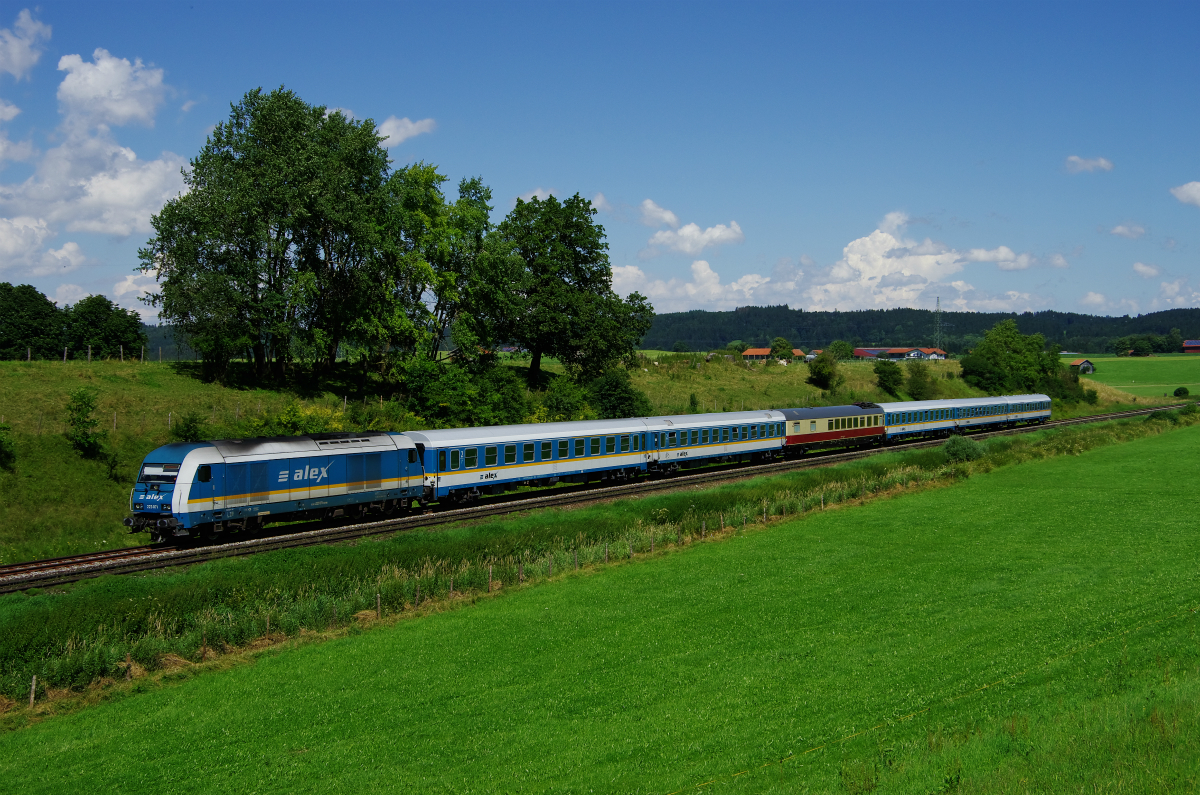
[(1144, 270), (1003, 256), (539, 193), (1059, 261), (8, 111), (397, 131), (109, 90), (601, 203), (1076, 164), (62, 260), (21, 240), (691, 239), (69, 294), (653, 215), (1093, 299), (21, 46), (704, 288), (1188, 193), (1131, 231)]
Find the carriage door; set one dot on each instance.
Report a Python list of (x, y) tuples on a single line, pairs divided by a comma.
[(203, 495)]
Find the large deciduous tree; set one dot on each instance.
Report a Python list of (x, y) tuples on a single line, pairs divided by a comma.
[(283, 227), (1007, 361), (30, 324), (561, 301), (108, 329)]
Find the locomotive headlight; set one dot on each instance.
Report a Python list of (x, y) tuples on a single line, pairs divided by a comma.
[(164, 507), (137, 506)]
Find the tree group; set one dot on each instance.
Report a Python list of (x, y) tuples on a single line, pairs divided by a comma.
[(297, 244), (31, 326)]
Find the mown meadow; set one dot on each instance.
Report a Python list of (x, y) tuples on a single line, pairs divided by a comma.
[(1019, 629), (1148, 376)]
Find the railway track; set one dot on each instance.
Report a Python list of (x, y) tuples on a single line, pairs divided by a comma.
[(58, 571)]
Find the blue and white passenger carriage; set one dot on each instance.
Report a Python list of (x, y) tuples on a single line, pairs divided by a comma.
[(935, 418)]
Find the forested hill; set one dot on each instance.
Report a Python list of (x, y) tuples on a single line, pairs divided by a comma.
[(758, 325)]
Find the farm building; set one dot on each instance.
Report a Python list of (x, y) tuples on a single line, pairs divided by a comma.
[(756, 354), (1191, 346), (1083, 366)]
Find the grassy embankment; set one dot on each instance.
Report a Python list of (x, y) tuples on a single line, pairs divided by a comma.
[(1148, 376), (1023, 630)]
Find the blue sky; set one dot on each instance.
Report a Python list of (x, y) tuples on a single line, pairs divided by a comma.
[(1016, 156)]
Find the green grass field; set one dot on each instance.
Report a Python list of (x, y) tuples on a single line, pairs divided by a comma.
[(1149, 376), (868, 634)]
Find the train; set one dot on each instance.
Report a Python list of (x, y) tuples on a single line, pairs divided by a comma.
[(209, 490)]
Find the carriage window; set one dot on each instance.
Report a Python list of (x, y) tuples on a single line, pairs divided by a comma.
[(696, 437), (579, 448), (670, 439), (510, 454), (472, 457), (455, 459), (594, 446), (528, 452), (704, 436), (489, 456), (547, 450), (610, 444), (624, 444), (441, 460), (637, 442), (564, 448)]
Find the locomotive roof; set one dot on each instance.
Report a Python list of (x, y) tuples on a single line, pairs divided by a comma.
[(915, 405), (823, 412), (317, 443)]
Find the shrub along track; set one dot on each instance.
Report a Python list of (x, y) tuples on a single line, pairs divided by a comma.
[(20, 576)]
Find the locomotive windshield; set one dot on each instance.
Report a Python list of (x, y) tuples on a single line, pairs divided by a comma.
[(158, 473)]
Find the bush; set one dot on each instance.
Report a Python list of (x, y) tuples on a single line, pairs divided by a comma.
[(681, 347), (888, 376), (1182, 392), (960, 448), (81, 424), (189, 428), (823, 372), (615, 397), (1091, 396), (920, 383), (8, 447)]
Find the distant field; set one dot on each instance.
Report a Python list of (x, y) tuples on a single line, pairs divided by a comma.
[(1149, 376), (856, 643)]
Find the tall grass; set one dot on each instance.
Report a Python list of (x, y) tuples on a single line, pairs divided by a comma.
[(75, 638)]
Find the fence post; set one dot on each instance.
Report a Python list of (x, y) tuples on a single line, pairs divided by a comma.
[(122, 347), (128, 667), (114, 420), (64, 355), (160, 354), (703, 528), (142, 355), (29, 354), (520, 570), (651, 545), (489, 578), (379, 604), (550, 566), (168, 420), (576, 558), (32, 689), (451, 587), (89, 354)]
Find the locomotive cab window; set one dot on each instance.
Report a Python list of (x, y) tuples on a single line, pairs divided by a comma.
[(158, 473), (204, 473), (412, 455)]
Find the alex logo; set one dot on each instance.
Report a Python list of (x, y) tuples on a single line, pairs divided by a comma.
[(151, 496), (315, 474)]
